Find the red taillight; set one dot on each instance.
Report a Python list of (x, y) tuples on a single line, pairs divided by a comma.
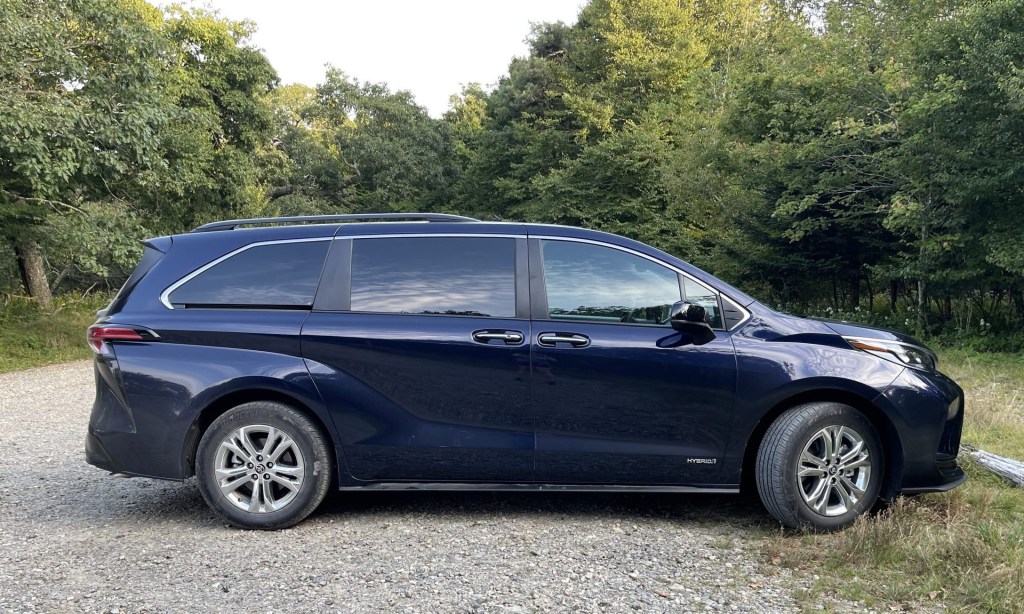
[(98, 335)]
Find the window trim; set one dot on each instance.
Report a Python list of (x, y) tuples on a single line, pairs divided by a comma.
[(166, 294), (539, 297), (339, 298)]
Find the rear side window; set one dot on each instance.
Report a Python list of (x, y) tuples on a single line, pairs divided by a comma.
[(274, 275), (461, 276)]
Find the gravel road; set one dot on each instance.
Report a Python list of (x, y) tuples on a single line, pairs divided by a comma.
[(73, 538)]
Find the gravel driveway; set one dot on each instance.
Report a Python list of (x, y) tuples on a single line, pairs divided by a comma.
[(74, 539)]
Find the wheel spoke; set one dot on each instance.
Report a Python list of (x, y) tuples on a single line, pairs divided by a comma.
[(289, 484), (811, 472), (855, 491), (857, 463), (229, 486), (808, 458), (283, 446), (269, 443), (233, 446), (291, 471), (854, 451), (231, 472), (837, 442), (821, 500), (254, 500), (268, 495), (844, 495), (243, 436)]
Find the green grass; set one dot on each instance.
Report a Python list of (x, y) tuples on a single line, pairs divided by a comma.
[(963, 549), (31, 338)]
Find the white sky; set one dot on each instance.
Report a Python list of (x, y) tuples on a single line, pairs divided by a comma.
[(429, 47)]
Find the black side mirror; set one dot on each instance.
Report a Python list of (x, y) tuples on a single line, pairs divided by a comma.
[(693, 320)]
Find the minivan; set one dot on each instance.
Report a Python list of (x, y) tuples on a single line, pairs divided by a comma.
[(277, 358)]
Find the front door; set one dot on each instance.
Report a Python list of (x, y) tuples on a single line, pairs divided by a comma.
[(425, 368), (619, 396)]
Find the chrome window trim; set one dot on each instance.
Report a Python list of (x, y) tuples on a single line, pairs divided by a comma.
[(746, 313), (165, 295), (422, 235)]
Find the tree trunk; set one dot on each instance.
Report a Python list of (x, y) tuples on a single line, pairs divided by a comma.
[(894, 295), (30, 260), (921, 302)]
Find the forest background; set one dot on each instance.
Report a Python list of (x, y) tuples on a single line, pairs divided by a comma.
[(861, 159)]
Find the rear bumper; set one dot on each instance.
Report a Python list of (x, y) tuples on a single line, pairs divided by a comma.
[(96, 455)]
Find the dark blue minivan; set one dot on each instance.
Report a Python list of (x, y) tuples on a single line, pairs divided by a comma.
[(277, 358)]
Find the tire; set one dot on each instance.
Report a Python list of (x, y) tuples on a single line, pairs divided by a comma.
[(296, 466), (815, 499)]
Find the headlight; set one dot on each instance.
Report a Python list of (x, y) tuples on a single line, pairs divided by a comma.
[(906, 354)]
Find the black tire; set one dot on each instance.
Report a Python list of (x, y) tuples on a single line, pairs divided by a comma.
[(779, 460), (307, 449)]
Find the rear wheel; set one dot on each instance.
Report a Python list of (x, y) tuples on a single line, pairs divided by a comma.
[(263, 465), (820, 466)]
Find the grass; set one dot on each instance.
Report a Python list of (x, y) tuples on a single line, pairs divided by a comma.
[(31, 338), (963, 549)]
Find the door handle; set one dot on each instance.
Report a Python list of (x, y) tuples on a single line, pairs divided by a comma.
[(510, 337), (574, 339)]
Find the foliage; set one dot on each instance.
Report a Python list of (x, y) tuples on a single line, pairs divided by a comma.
[(819, 152), (82, 103)]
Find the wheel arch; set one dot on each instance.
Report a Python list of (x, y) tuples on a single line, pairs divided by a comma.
[(217, 407), (891, 443)]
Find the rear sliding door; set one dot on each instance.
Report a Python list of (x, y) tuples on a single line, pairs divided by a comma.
[(419, 345)]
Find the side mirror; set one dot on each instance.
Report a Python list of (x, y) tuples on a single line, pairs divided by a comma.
[(692, 320)]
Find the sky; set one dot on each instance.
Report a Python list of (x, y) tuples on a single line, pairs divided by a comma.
[(429, 47)]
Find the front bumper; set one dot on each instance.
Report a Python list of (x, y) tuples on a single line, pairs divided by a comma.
[(950, 475), (921, 403)]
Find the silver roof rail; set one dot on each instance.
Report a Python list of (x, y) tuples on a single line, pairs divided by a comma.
[(298, 219)]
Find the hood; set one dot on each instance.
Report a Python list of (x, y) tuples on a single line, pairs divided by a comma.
[(851, 329)]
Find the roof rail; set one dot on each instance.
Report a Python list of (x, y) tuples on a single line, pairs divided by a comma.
[(296, 219)]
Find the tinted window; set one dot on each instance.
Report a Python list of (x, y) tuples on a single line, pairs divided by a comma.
[(700, 295), (465, 276), (278, 275), (590, 282)]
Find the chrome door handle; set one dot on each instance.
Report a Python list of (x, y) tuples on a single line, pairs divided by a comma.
[(508, 336), (574, 339)]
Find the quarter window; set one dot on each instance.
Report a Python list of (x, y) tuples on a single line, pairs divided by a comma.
[(460, 276), (274, 275), (699, 294), (594, 283)]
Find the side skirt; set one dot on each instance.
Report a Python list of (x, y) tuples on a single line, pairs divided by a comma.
[(614, 488)]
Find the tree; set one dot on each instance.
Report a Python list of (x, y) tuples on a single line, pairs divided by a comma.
[(81, 107), (393, 156)]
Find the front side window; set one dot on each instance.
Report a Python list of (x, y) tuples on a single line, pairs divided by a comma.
[(274, 275), (595, 283), (461, 276)]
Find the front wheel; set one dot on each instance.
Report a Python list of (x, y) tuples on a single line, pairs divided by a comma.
[(820, 466), (263, 465)]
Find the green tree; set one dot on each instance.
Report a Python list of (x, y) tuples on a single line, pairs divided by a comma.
[(81, 108)]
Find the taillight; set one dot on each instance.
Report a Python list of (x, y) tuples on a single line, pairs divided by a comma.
[(99, 335)]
